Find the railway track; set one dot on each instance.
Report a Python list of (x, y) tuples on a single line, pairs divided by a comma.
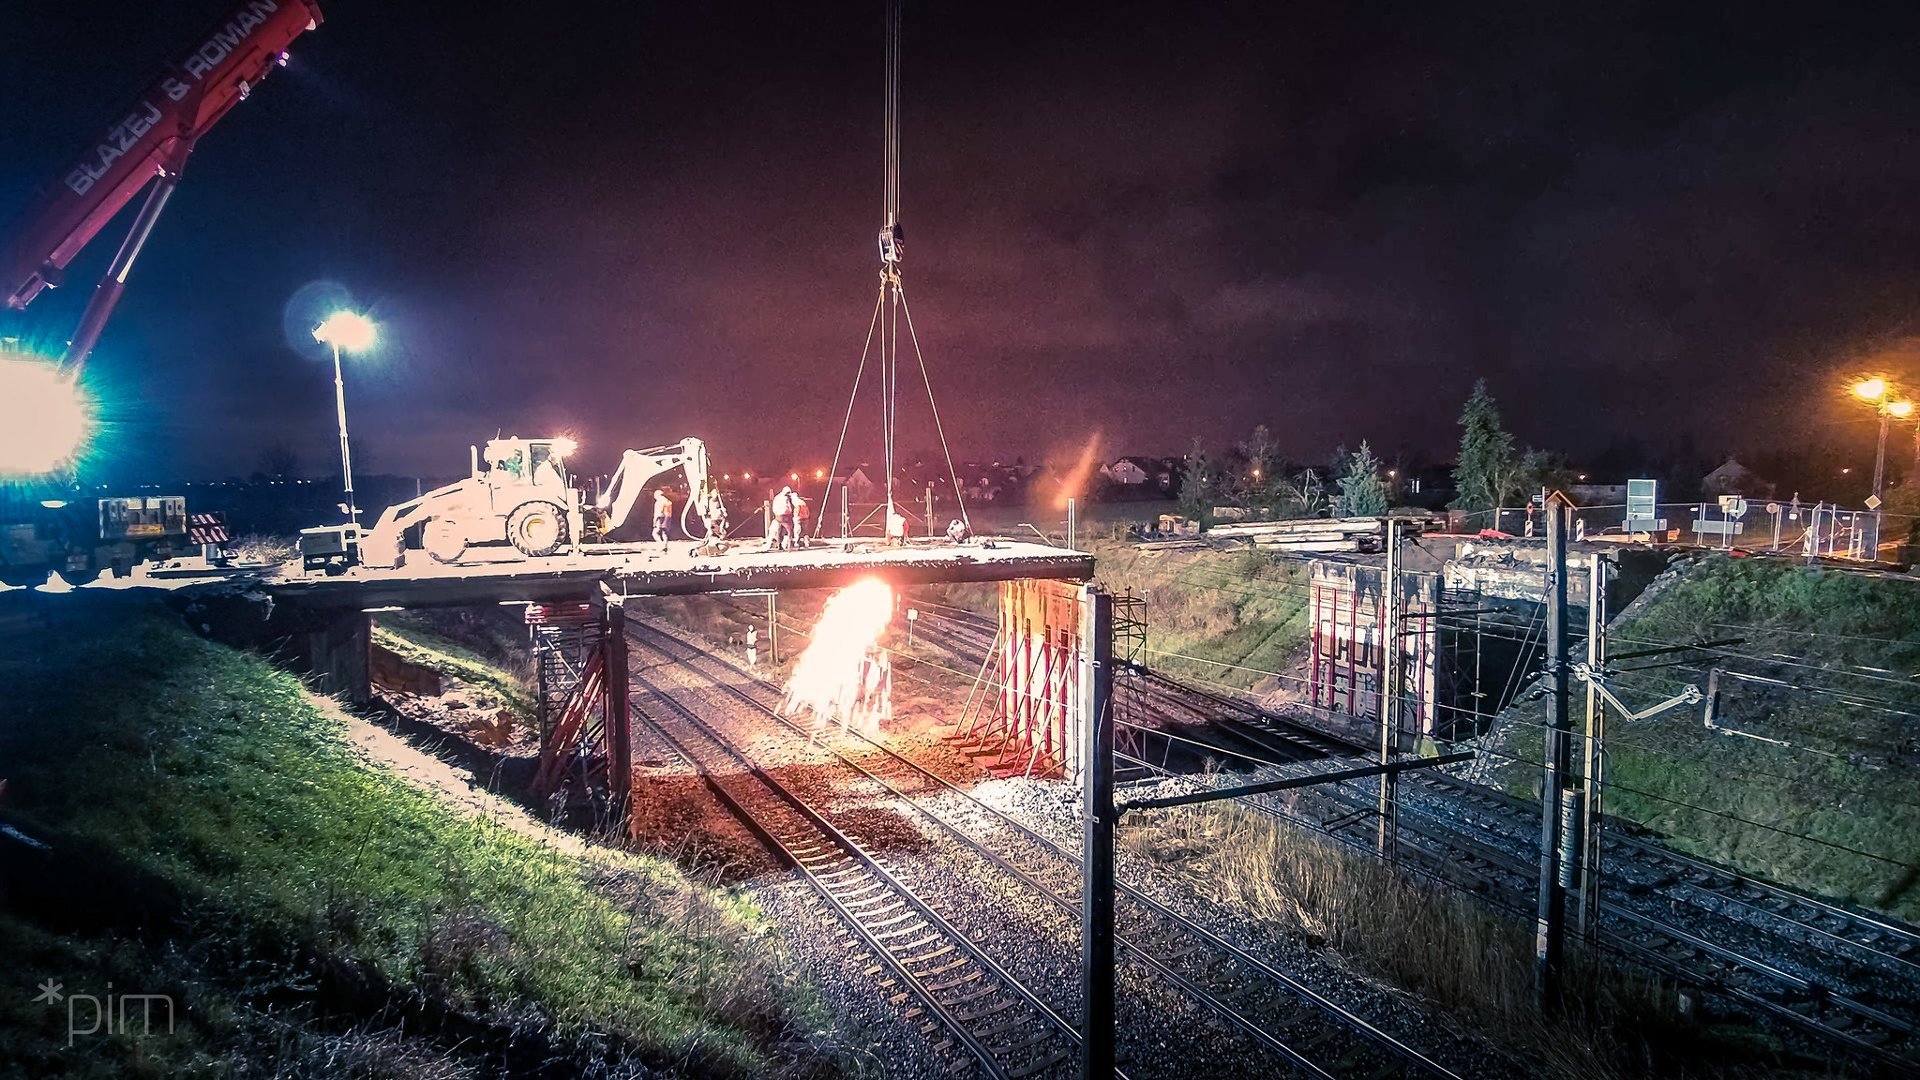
[(1267, 1010), (996, 1024), (1847, 977)]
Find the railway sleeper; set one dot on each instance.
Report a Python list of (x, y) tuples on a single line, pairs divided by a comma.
[(951, 983), (896, 920), (1011, 1024), (982, 1013), (985, 991), (1028, 1043), (924, 957), (944, 968), (1036, 1065)]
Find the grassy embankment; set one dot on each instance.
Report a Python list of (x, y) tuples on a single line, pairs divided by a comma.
[(1242, 611), (1837, 809), (1472, 965), (504, 670), (215, 838), (1216, 617)]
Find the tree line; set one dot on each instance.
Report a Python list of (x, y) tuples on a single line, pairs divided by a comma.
[(1490, 471)]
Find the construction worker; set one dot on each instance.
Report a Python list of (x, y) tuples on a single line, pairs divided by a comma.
[(957, 532), (783, 519), (801, 512), (662, 516), (753, 646), (715, 518)]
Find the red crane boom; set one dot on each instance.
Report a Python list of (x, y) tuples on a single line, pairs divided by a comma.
[(150, 139)]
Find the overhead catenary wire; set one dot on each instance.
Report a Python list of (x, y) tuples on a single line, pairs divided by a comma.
[(1775, 828)]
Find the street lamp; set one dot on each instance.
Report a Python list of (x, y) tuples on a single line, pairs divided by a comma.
[(1876, 392), (355, 333)]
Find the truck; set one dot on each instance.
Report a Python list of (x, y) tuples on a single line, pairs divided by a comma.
[(518, 495), (79, 538)]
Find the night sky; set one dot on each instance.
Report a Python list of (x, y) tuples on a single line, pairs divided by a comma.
[(639, 221)]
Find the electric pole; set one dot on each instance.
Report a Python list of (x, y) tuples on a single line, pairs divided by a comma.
[(1389, 689), (1555, 808), (1599, 569), (1097, 975)]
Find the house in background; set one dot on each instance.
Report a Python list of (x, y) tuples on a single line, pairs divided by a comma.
[(1733, 478), (1128, 471), (860, 487)]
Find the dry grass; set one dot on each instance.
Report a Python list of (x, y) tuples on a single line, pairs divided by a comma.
[(1474, 965), (263, 547)]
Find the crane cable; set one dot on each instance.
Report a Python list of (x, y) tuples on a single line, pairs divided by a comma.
[(865, 350), (959, 500), (890, 266), (893, 299)]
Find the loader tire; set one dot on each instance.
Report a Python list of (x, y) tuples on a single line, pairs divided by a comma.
[(537, 528), (443, 542)]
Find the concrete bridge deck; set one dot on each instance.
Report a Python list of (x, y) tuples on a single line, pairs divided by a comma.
[(501, 576)]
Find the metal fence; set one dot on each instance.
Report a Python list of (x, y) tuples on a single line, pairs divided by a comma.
[(1822, 529)]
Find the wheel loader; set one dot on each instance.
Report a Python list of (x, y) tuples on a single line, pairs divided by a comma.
[(524, 498)]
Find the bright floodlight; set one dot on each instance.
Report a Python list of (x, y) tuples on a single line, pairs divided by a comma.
[(349, 331), (1871, 389), (1900, 409), (45, 418), (563, 447)]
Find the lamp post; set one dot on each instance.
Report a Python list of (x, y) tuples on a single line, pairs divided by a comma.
[(1876, 392), (355, 333)]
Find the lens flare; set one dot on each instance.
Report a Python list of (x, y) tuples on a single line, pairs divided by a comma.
[(844, 677), (45, 418)]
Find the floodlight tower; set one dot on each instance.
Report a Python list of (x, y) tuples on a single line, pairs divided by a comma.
[(353, 332), (1876, 392)]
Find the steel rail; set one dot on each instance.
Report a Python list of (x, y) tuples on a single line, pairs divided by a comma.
[(1400, 1051), (989, 1058), (1447, 836), (1058, 898), (1853, 924), (1693, 864)]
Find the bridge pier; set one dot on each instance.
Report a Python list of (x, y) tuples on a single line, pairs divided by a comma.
[(1031, 720), (338, 646)]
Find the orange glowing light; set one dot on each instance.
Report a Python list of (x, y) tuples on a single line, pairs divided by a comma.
[(819, 474), (843, 675), (1870, 389), (1900, 409), (795, 476), (1074, 484), (746, 476)]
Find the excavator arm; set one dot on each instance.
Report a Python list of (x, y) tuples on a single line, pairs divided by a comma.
[(150, 139), (638, 468)]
